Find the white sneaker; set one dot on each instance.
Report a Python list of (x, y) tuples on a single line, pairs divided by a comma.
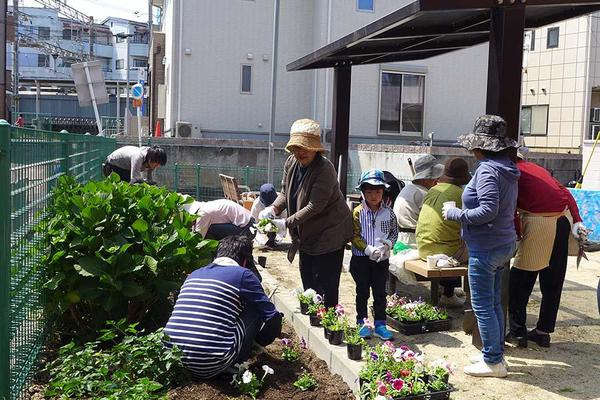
[(451, 302), (479, 358), (483, 369)]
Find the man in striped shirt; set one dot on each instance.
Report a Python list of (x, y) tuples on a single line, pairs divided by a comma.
[(221, 311)]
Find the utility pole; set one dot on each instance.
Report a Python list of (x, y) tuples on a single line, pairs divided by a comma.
[(91, 32), (16, 59), (148, 72), (271, 145), (3, 16)]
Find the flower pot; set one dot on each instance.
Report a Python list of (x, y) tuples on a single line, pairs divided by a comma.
[(271, 239), (336, 337), (303, 308), (354, 351), (326, 333), (314, 320)]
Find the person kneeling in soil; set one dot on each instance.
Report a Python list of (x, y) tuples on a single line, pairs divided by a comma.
[(221, 218), (375, 232), (221, 311)]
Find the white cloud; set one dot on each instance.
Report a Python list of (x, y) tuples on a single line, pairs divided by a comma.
[(136, 10)]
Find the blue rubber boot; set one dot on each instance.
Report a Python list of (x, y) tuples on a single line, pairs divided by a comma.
[(382, 332)]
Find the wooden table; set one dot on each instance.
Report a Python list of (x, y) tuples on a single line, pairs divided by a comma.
[(419, 267)]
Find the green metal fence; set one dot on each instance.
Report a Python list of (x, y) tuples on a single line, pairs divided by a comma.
[(39, 120), (202, 181), (31, 161), (112, 125)]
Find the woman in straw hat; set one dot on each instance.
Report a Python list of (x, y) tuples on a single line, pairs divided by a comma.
[(487, 218), (319, 220)]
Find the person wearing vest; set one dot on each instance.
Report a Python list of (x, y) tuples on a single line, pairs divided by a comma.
[(319, 220), (546, 209)]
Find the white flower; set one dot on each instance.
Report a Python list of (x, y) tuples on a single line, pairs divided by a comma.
[(310, 293), (268, 370), (380, 397), (420, 357), (247, 377), (317, 298), (296, 292)]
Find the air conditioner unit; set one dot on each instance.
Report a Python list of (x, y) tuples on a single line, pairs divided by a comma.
[(594, 131), (595, 115), (183, 129)]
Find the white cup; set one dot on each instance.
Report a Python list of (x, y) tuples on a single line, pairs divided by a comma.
[(432, 261), (449, 204)]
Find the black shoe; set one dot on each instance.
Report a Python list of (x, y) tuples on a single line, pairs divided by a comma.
[(542, 340), (519, 340)]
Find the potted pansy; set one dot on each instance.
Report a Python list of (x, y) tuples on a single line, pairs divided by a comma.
[(266, 227), (313, 310), (439, 370), (306, 298), (354, 342), (415, 316), (333, 323)]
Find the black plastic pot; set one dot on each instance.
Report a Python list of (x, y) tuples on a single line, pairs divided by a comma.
[(335, 337), (314, 320), (354, 351), (326, 333), (303, 308), (271, 239)]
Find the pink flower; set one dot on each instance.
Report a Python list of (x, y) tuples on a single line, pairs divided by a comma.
[(368, 323), (404, 347), (303, 344), (398, 384), (381, 388), (390, 346), (339, 310), (321, 313), (405, 372), (388, 377)]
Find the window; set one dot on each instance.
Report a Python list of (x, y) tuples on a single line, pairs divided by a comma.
[(43, 60), (401, 103), (552, 39), (119, 39), (43, 32), (534, 120), (246, 78), (66, 34), (365, 5), (532, 43), (594, 131), (139, 63), (120, 64)]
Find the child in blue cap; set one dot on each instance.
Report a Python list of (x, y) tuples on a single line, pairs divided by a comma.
[(375, 232)]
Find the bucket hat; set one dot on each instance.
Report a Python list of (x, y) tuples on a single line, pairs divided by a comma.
[(489, 133), (427, 167), (456, 172), (373, 177), (306, 134)]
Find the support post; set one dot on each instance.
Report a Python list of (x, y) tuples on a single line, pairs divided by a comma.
[(340, 128), (505, 64), (271, 146), (93, 96), (5, 228), (3, 25)]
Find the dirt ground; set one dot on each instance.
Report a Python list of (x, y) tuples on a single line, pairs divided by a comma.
[(278, 386), (569, 369)]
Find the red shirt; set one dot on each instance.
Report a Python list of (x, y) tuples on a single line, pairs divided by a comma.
[(540, 192)]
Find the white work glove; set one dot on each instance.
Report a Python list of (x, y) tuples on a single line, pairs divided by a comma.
[(445, 209), (373, 252), (279, 224), (578, 230), (385, 249), (267, 213)]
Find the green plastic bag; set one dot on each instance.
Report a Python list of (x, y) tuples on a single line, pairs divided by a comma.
[(400, 247)]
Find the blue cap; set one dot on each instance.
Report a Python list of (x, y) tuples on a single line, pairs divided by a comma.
[(373, 177)]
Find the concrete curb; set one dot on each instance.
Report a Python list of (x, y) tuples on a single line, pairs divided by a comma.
[(335, 356)]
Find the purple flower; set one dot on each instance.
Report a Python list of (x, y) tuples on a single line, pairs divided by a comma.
[(388, 377), (374, 356), (303, 344), (286, 342)]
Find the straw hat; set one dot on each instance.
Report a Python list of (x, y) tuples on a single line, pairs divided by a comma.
[(306, 134)]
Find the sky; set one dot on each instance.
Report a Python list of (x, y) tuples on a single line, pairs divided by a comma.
[(136, 10)]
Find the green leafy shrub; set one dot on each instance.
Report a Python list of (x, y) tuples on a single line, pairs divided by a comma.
[(118, 251), (134, 367)]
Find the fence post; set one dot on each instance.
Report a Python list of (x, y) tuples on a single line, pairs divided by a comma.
[(247, 176), (198, 182), (66, 152), (176, 180), (5, 227)]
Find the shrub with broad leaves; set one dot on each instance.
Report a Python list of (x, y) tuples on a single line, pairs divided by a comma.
[(116, 251)]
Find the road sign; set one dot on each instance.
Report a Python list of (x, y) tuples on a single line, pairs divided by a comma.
[(142, 75), (137, 91)]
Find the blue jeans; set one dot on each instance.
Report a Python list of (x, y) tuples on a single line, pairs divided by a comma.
[(485, 281)]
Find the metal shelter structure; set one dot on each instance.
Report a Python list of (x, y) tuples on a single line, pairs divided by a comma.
[(428, 28)]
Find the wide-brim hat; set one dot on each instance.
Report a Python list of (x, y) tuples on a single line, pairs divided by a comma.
[(489, 133), (456, 172), (427, 167), (306, 134)]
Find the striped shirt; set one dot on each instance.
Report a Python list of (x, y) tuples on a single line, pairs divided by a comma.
[(371, 225), (207, 320)]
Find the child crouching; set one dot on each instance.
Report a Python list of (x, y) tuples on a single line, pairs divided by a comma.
[(375, 232)]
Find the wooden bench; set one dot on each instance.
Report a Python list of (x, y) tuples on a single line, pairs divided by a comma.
[(419, 268)]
